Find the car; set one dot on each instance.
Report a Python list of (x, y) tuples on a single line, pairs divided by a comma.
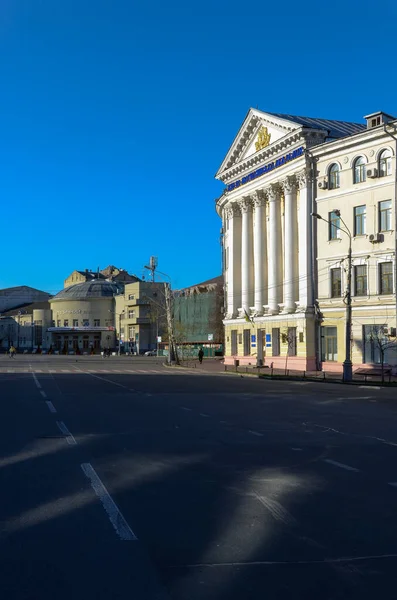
[(151, 353)]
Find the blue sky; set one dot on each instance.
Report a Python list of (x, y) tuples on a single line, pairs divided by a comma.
[(115, 116)]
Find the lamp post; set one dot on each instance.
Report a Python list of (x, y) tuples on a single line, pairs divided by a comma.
[(347, 364)]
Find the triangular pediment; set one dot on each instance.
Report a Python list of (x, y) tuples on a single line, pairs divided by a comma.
[(259, 131)]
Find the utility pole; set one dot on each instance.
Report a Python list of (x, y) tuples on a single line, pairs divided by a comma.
[(347, 365)]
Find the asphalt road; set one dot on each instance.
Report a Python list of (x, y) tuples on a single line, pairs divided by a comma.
[(121, 478)]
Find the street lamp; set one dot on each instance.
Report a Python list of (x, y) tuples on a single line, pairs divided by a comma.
[(119, 316), (347, 364)]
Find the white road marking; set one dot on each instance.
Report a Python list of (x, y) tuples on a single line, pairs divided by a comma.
[(224, 422), (69, 437), (119, 523), (43, 394), (65, 370), (254, 563), (341, 465), (297, 449), (356, 398), (369, 387), (203, 415), (278, 512), (37, 382), (255, 432), (184, 408), (10, 370), (393, 483), (51, 407)]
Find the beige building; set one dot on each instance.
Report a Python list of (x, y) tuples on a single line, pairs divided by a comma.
[(284, 271), (140, 316), (111, 273), (82, 317), (357, 176)]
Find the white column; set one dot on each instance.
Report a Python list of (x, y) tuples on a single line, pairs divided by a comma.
[(247, 255), (290, 245), (260, 251), (275, 250), (233, 266), (305, 241)]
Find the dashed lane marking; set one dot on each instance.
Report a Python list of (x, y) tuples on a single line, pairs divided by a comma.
[(51, 407), (340, 465), (69, 437), (119, 523)]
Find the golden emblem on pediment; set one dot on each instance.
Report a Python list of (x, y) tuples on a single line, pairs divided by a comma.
[(263, 139)]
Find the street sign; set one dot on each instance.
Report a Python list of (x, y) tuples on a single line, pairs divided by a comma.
[(210, 337)]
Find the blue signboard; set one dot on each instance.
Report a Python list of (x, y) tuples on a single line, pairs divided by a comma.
[(268, 340), (267, 168)]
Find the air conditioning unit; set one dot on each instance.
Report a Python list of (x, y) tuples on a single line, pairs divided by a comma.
[(375, 238), (372, 173), (323, 184), (392, 332)]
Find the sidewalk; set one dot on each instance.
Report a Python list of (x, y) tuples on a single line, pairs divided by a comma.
[(211, 365)]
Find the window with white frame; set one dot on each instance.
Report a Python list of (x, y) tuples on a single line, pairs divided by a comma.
[(336, 282), (359, 170), (131, 314), (360, 280), (385, 163), (334, 226), (386, 278), (360, 217), (333, 176), (385, 215)]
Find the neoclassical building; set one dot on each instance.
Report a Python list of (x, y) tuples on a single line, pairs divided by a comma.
[(270, 239)]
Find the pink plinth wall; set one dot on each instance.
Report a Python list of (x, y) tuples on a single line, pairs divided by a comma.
[(296, 363)]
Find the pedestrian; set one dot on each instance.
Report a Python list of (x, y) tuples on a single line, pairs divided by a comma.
[(200, 355), (12, 352)]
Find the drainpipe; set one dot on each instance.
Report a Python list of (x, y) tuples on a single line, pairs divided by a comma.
[(394, 138)]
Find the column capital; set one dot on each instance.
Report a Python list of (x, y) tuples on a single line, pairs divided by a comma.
[(259, 198), (232, 210), (245, 204), (304, 178), (289, 185), (273, 192)]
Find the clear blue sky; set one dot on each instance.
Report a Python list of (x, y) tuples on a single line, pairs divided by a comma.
[(116, 114)]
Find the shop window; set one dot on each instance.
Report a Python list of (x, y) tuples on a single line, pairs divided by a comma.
[(329, 344)]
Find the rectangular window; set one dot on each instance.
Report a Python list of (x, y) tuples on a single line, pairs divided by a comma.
[(336, 283), (247, 342), (234, 342), (334, 226), (374, 340), (86, 322), (275, 341), (131, 314), (66, 323), (75, 323), (52, 323), (131, 297), (360, 280), (97, 322), (291, 337), (58, 322), (385, 215), (131, 332), (386, 278), (329, 344), (360, 216)]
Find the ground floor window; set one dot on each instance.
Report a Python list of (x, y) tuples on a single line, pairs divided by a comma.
[(374, 341), (329, 344), (247, 342)]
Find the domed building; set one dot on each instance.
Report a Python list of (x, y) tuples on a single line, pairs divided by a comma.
[(83, 317)]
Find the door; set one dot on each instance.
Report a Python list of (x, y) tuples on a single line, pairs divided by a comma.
[(260, 341), (234, 342)]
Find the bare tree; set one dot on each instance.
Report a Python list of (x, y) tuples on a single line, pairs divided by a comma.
[(382, 342)]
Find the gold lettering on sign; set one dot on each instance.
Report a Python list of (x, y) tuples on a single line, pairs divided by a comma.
[(263, 139)]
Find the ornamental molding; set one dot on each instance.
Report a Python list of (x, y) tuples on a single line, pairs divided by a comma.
[(273, 192), (259, 198), (289, 185), (232, 210), (305, 178), (245, 204)]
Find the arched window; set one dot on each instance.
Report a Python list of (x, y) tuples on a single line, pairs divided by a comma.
[(385, 163), (359, 170), (333, 176)]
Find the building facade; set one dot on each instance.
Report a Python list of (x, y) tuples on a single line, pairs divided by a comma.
[(275, 173), (140, 316)]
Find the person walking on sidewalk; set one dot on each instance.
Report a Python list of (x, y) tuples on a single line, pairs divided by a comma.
[(12, 352), (200, 355)]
